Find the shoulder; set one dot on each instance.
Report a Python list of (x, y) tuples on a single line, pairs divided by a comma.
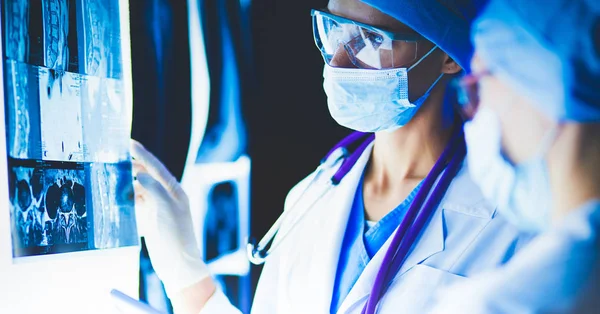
[(464, 196), (557, 272), (467, 208), (297, 190)]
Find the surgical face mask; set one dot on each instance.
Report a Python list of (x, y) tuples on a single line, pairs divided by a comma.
[(371, 100), (522, 191)]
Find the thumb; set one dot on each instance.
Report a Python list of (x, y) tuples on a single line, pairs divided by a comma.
[(154, 189), (146, 160)]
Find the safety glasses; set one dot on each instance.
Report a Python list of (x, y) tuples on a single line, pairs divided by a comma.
[(467, 92), (366, 46)]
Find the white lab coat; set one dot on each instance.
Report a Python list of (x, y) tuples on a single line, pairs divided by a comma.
[(558, 272), (464, 237)]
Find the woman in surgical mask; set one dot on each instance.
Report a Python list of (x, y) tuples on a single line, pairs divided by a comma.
[(403, 222), (534, 148)]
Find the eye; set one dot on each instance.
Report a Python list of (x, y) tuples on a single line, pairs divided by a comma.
[(375, 38)]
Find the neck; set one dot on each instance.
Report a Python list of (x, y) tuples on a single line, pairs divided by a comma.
[(574, 165), (410, 152)]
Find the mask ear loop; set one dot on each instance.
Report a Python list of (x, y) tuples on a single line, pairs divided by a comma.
[(422, 58), (434, 83), (422, 99)]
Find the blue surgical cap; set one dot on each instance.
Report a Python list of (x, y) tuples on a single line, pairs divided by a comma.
[(446, 23), (547, 51)]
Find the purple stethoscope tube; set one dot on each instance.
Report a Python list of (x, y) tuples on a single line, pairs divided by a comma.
[(418, 216), (351, 160)]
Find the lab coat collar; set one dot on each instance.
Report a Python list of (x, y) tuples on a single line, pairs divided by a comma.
[(329, 233), (462, 196)]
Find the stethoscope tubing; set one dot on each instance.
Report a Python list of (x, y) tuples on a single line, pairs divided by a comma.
[(417, 217)]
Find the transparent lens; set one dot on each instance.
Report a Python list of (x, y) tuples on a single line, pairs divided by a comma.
[(366, 48)]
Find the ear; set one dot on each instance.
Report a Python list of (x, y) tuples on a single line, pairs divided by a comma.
[(450, 66)]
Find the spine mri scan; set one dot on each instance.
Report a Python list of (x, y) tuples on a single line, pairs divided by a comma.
[(67, 127)]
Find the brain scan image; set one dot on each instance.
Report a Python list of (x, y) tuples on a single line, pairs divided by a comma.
[(67, 127)]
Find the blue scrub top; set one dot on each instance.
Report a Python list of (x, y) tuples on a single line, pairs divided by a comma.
[(362, 242)]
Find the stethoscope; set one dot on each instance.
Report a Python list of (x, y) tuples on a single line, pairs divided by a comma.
[(338, 156), (418, 215)]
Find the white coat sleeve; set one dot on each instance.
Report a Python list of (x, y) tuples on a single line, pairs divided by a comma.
[(266, 296)]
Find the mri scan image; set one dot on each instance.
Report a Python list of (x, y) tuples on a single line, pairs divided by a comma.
[(48, 208), (221, 224), (62, 104), (106, 139), (22, 111), (67, 127), (111, 187)]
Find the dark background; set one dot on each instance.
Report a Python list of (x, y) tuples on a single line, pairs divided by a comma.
[(285, 112), (289, 124)]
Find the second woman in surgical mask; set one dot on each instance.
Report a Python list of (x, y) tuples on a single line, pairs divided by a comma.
[(534, 148)]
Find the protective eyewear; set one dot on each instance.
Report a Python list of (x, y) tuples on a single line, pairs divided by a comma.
[(467, 92), (366, 46)]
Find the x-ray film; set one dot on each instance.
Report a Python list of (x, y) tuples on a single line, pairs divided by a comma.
[(111, 188), (67, 127), (60, 118)]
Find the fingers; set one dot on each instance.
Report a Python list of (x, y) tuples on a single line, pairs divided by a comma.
[(151, 197), (141, 208), (151, 163), (140, 193), (137, 167), (144, 160), (151, 188)]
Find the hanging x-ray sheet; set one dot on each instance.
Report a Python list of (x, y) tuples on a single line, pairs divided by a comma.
[(67, 127)]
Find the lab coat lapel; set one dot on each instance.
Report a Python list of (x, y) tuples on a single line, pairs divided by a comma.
[(462, 197), (431, 242), (428, 243), (328, 236)]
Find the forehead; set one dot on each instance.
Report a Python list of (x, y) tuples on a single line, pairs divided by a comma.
[(358, 11)]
